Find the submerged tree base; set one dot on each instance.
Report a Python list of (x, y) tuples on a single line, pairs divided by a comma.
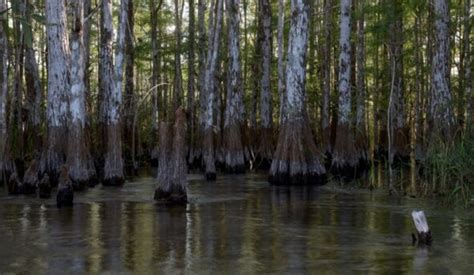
[(44, 187), (65, 196), (114, 181), (297, 160), (347, 172), (172, 181), (298, 179), (237, 169), (349, 159), (30, 180), (175, 196)]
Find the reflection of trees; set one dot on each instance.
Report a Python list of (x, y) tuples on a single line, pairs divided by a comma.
[(95, 252)]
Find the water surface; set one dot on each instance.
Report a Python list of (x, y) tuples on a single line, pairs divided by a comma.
[(238, 224)]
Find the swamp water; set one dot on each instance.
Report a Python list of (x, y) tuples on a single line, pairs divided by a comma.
[(239, 224)]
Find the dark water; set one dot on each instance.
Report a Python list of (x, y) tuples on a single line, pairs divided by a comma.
[(238, 224)]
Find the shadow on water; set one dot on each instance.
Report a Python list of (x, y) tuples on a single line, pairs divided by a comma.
[(237, 224)]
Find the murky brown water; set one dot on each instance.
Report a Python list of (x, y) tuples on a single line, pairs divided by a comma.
[(238, 224)]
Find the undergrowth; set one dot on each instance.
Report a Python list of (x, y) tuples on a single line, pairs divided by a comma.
[(448, 170)]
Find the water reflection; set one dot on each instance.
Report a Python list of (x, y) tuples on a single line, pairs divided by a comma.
[(235, 225)]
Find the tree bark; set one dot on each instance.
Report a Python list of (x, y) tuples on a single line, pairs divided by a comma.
[(191, 82), (234, 161), (113, 168), (78, 154), (195, 155), (325, 127), (154, 8), (281, 53), (34, 90), (210, 93), (178, 78), (361, 133), (442, 123), (58, 87), (297, 160), (398, 127), (172, 188), (105, 80), (468, 65), (344, 158), (129, 97), (6, 165), (266, 148)]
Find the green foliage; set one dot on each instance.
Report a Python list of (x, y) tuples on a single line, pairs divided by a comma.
[(449, 170)]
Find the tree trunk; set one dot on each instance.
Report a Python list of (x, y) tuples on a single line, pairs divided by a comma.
[(129, 98), (105, 80), (58, 87), (113, 167), (467, 65), (172, 188), (234, 161), (398, 128), (297, 160), (178, 78), (442, 122), (77, 154), (210, 94), (191, 82), (361, 134), (325, 126), (195, 155), (266, 148), (17, 141), (344, 158), (281, 51), (154, 80), (6, 165), (34, 91)]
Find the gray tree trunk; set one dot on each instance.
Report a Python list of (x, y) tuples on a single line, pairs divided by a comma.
[(34, 90), (154, 80), (325, 127), (442, 117), (77, 150), (210, 93), (178, 78), (105, 75), (113, 167), (265, 150), (6, 167), (344, 159), (58, 87), (233, 150), (361, 134), (296, 160), (397, 110), (191, 80), (281, 53)]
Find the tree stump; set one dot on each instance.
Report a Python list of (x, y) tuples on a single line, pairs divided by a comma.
[(65, 194), (172, 187), (423, 236)]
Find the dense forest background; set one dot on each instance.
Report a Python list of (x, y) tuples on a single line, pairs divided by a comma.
[(304, 89)]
